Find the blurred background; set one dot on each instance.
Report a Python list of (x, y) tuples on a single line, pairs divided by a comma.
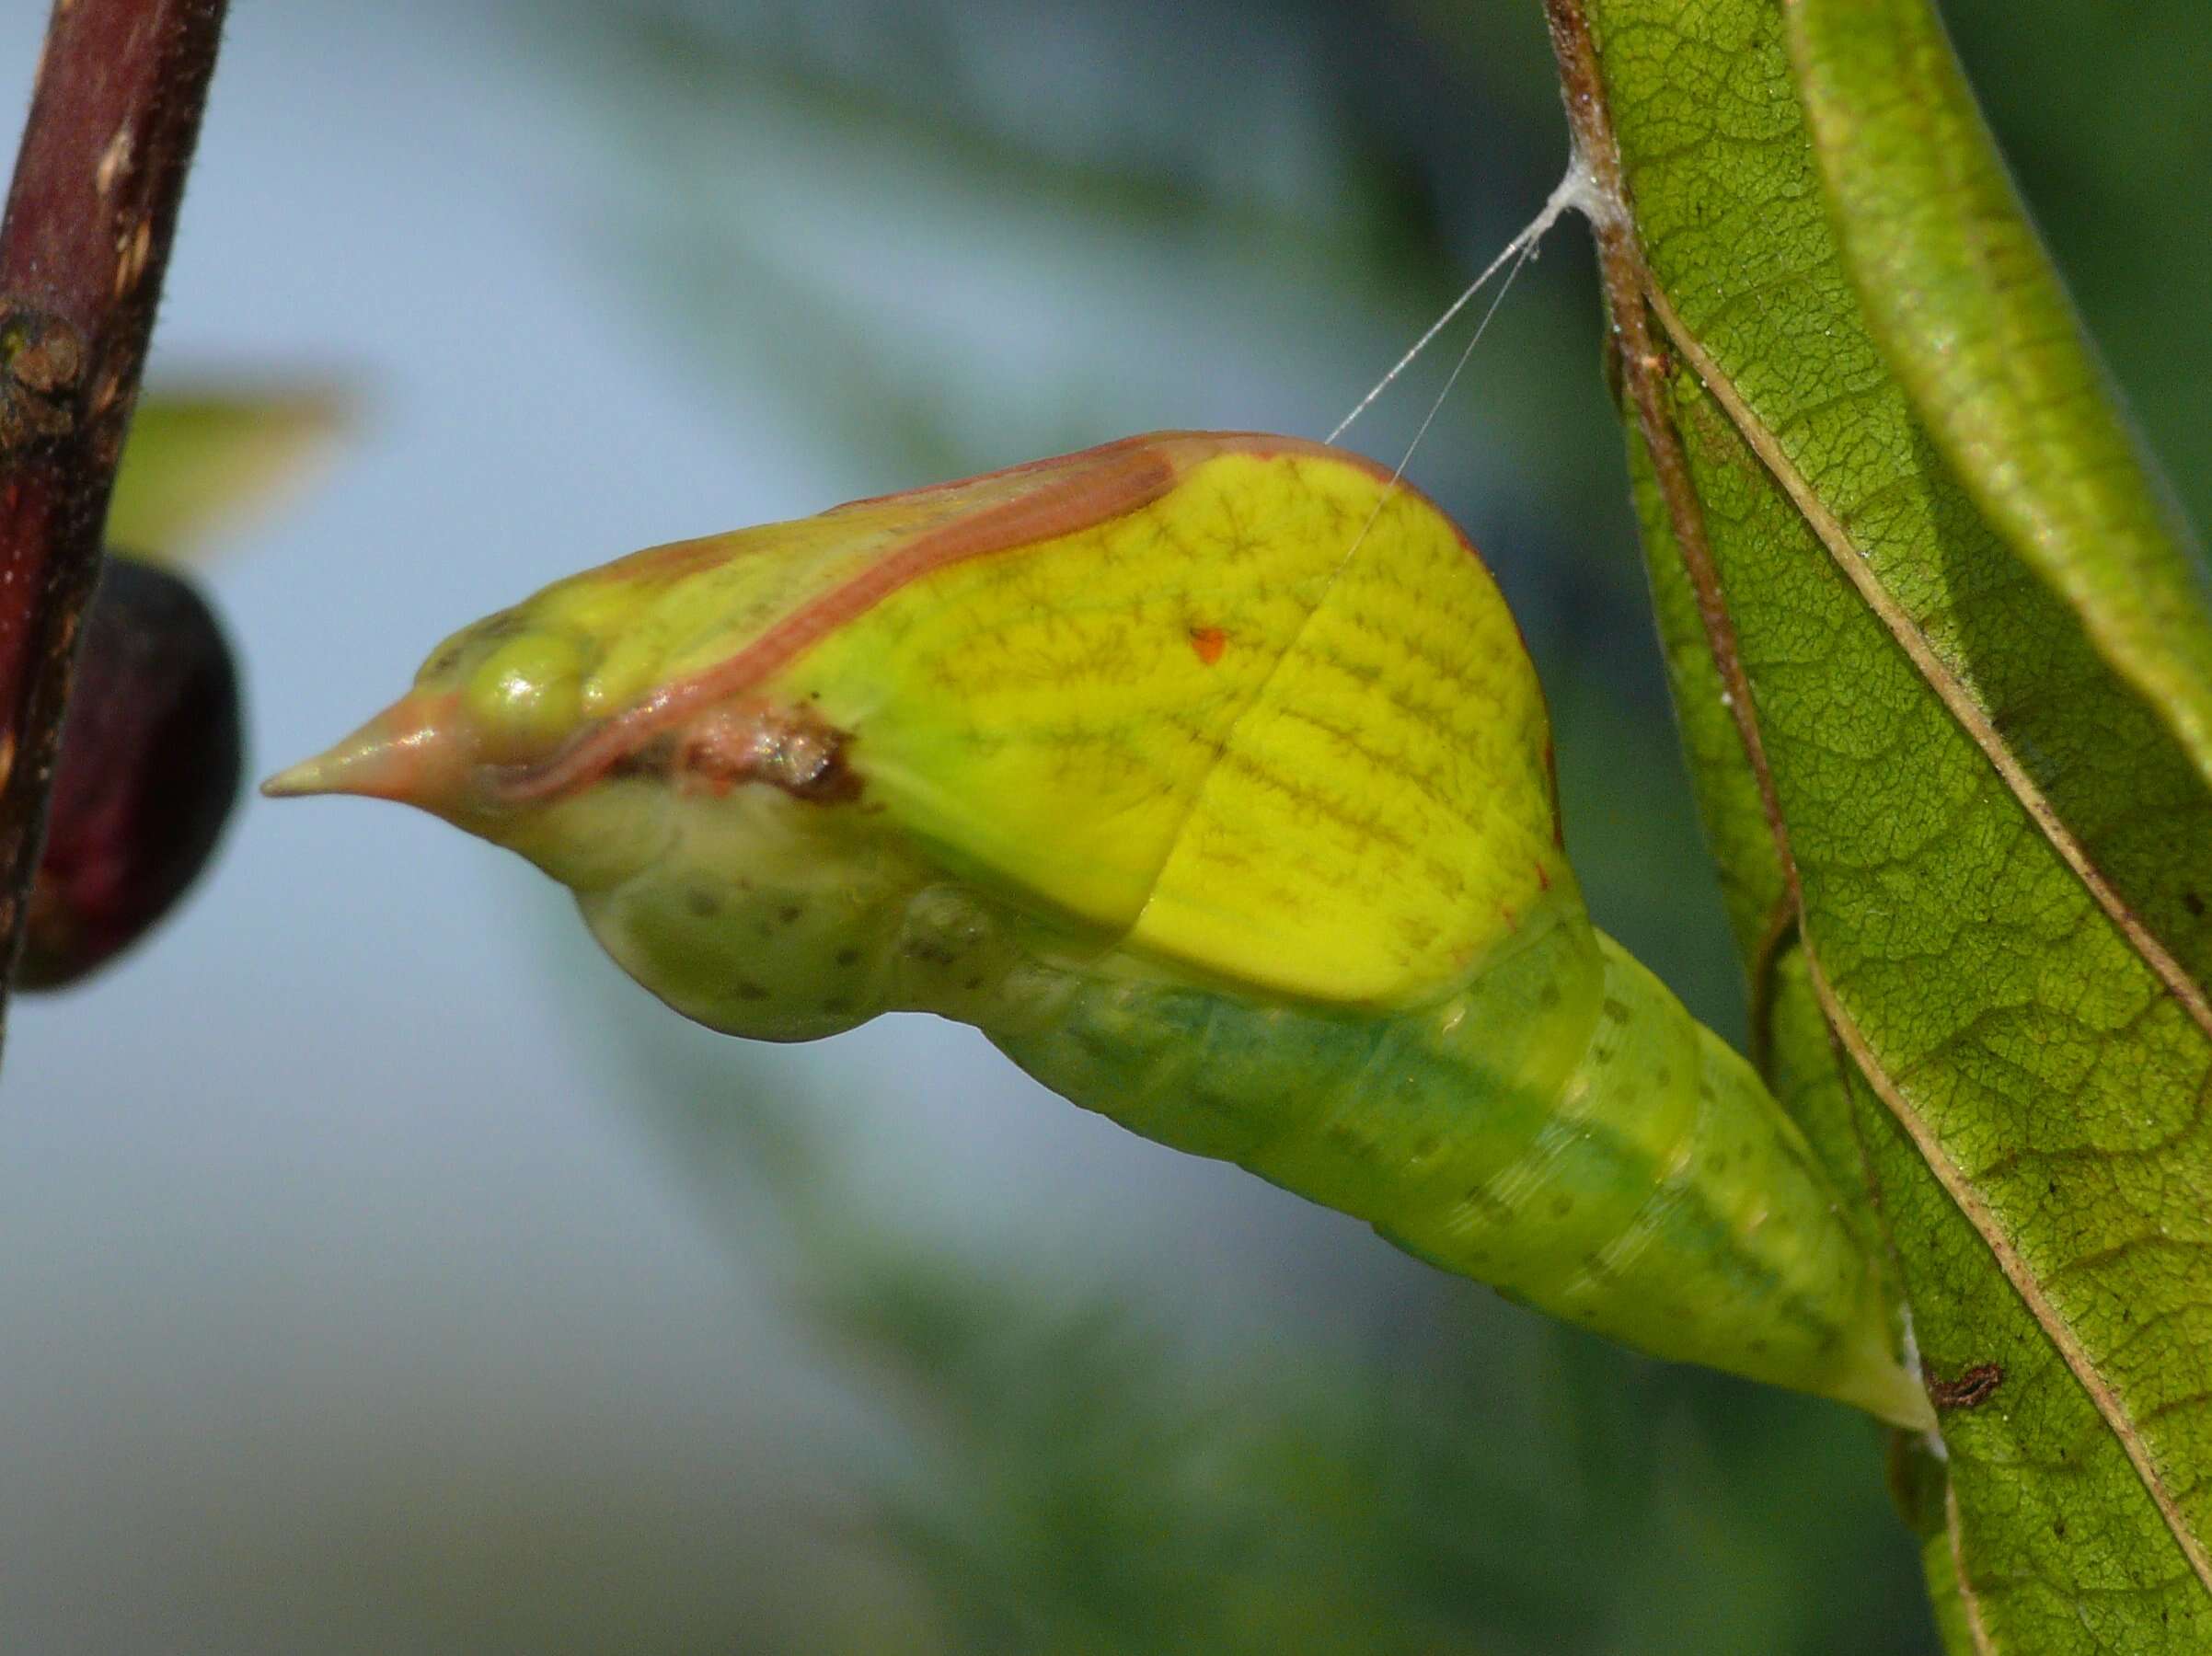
[(384, 1271)]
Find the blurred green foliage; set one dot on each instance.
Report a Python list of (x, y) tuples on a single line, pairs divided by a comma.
[(812, 203), (206, 458)]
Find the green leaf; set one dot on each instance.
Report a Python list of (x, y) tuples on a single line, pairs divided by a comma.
[(1974, 322), (1975, 655), (201, 458)]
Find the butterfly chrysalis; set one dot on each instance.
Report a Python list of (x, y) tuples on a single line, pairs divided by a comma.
[(1207, 775)]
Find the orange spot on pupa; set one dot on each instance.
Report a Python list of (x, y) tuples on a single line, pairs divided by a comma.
[(1209, 642), (1543, 879), (1510, 924)]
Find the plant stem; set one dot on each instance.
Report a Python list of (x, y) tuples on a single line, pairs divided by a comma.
[(113, 117), (1644, 365)]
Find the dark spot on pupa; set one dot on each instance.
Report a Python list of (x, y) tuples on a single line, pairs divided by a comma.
[(2194, 904), (973, 983), (1662, 1077), (1548, 998), (1214, 1104), (838, 1005), (1758, 1347), (849, 957), (1562, 1206), (1616, 1011), (1482, 1202), (702, 902), (748, 992), (790, 913)]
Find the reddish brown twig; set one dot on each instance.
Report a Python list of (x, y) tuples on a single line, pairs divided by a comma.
[(113, 117)]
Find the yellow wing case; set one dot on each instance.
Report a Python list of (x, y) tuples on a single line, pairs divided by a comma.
[(1101, 681)]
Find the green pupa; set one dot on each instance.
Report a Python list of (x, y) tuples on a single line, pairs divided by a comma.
[(1205, 774)]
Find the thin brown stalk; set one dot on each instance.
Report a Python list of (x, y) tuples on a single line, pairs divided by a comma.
[(1643, 368), (114, 114)]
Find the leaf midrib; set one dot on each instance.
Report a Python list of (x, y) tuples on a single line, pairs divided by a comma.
[(1972, 717)]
